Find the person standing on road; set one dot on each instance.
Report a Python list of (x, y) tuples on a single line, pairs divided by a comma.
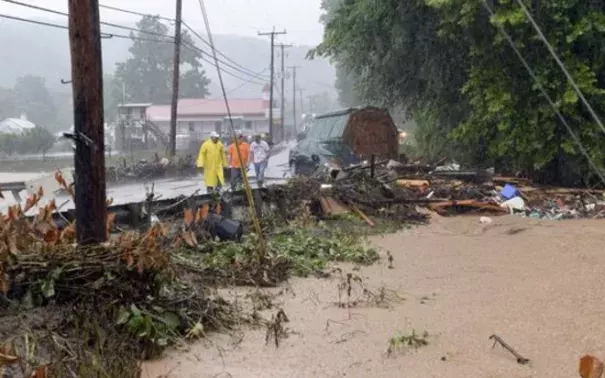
[(234, 162), (212, 160), (259, 154)]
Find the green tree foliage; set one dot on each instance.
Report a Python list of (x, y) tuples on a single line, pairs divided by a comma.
[(112, 96), (147, 75), (345, 85), (32, 141), (447, 64), (36, 140), (322, 102), (30, 96)]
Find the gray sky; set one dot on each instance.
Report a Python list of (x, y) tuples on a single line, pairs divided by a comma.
[(300, 18)]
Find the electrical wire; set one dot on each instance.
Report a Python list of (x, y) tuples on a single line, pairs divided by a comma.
[(103, 34), (53, 11), (531, 73), (197, 49), (230, 91), (247, 72), (218, 51), (127, 11), (250, 197), (561, 65)]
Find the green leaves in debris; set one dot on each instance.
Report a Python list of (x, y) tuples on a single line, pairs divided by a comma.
[(305, 251), (155, 325)]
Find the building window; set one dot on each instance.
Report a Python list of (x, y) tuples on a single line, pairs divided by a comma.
[(248, 125), (191, 126), (218, 126)]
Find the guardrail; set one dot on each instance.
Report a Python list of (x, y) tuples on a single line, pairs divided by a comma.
[(15, 188)]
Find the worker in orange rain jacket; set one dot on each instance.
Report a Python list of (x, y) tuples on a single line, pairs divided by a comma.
[(234, 162), (212, 160)]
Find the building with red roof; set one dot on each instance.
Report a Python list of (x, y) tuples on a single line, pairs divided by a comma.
[(201, 116)]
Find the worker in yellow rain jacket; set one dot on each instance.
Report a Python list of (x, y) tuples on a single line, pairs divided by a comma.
[(213, 160)]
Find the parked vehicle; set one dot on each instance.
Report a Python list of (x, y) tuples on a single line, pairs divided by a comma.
[(344, 138)]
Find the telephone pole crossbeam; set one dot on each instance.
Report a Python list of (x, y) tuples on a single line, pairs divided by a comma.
[(87, 86), (272, 34)]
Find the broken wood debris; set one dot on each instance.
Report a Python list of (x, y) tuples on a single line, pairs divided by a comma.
[(520, 359)]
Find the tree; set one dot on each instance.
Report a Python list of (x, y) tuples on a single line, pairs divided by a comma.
[(322, 102), (32, 98), (7, 104), (113, 95), (446, 63), (147, 75), (345, 85), (8, 144), (36, 140)]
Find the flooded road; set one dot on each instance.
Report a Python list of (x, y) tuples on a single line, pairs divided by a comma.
[(536, 284), (136, 192)]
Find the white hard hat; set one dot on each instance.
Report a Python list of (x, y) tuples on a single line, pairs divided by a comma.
[(214, 134)]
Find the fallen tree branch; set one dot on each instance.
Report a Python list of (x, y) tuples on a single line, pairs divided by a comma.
[(520, 359)]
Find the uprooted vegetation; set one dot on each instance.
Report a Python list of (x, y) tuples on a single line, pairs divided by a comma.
[(401, 342), (70, 310)]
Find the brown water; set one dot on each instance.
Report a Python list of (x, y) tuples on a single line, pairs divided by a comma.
[(536, 284)]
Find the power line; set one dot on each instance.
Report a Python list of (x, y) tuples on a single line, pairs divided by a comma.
[(561, 65), (64, 27), (272, 35), (53, 11), (242, 70), (218, 51), (248, 191), (121, 36), (197, 49), (135, 13), (188, 27), (245, 83), (531, 73)]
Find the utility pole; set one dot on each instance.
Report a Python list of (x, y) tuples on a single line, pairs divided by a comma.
[(272, 34), (175, 77), (87, 87), (302, 105), (294, 96), (283, 99)]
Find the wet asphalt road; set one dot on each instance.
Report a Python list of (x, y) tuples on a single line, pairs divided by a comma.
[(276, 172)]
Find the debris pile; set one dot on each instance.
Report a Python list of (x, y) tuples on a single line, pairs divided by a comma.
[(154, 169), (392, 190), (72, 310), (353, 192)]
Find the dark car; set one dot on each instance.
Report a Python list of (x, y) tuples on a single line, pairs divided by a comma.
[(321, 143)]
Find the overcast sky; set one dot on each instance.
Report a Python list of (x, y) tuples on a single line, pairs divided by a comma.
[(300, 18)]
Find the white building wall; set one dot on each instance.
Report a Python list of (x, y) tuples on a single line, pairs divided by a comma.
[(204, 126)]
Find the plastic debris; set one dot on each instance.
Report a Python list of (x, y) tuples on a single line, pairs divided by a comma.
[(485, 220), (509, 192), (514, 204)]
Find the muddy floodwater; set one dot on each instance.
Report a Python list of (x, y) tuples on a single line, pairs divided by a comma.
[(536, 284)]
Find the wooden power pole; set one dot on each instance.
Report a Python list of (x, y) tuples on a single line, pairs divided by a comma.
[(175, 77), (302, 105), (272, 34), (283, 98), (87, 86), (294, 96)]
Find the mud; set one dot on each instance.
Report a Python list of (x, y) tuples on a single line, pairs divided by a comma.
[(537, 284)]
